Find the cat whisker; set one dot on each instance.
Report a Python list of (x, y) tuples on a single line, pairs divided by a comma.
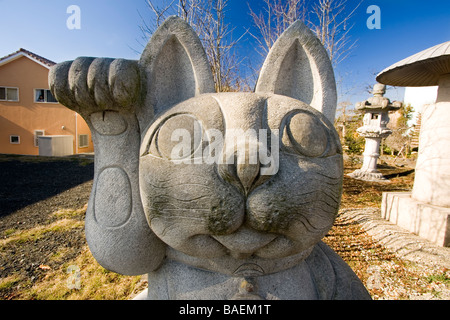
[(305, 222), (165, 186), (171, 216), (176, 208), (318, 196), (331, 197), (182, 200)]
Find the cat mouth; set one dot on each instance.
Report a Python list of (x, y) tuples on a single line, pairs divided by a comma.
[(244, 242), (249, 270)]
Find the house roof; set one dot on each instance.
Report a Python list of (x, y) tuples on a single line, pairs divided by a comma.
[(25, 53)]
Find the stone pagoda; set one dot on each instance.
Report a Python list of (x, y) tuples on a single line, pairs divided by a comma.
[(376, 117)]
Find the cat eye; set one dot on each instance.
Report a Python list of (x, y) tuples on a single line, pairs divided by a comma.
[(306, 134), (177, 138)]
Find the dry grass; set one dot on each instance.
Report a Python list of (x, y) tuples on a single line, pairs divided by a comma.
[(39, 232), (95, 282), (385, 275), (10, 282), (364, 194)]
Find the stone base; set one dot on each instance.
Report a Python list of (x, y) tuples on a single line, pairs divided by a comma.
[(427, 221), (367, 176), (323, 275)]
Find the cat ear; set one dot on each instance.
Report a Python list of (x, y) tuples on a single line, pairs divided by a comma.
[(175, 67), (298, 66)]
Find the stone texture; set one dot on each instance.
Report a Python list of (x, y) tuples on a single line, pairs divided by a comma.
[(428, 221), (430, 198), (323, 275), (432, 178), (220, 229)]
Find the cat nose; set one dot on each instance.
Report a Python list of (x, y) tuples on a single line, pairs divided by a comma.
[(240, 166)]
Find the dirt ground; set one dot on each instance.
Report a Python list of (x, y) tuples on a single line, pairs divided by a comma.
[(42, 206), (31, 190)]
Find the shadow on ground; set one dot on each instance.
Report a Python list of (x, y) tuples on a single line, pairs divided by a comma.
[(25, 180)]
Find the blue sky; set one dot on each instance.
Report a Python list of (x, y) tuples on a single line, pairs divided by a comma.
[(110, 28)]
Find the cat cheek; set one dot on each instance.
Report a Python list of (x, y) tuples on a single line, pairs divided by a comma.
[(303, 223), (309, 229), (225, 221), (263, 213)]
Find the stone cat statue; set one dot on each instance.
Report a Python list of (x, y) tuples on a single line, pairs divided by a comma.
[(201, 216)]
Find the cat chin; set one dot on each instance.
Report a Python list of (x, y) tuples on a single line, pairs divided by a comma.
[(244, 246), (249, 266)]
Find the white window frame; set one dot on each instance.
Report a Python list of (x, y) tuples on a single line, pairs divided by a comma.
[(37, 134), (6, 94), (80, 141), (45, 96), (14, 135)]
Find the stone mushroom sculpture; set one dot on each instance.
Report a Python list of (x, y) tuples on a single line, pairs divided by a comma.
[(427, 210)]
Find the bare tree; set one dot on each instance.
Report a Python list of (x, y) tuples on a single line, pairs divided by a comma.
[(219, 45), (277, 16), (186, 9), (329, 19), (208, 19), (400, 138), (332, 26), (149, 26)]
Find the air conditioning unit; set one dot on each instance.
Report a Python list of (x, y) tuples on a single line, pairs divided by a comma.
[(55, 146)]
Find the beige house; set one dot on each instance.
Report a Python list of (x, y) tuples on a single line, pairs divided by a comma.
[(28, 110)]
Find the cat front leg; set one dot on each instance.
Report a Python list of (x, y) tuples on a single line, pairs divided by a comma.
[(106, 92)]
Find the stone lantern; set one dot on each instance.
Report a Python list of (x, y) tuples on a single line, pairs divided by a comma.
[(376, 117), (426, 211)]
